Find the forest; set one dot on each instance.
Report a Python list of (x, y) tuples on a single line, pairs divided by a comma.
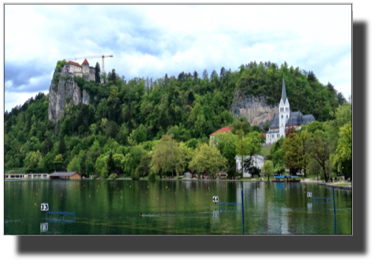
[(129, 125)]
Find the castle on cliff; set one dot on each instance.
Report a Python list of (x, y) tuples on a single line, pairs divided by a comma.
[(286, 119), (83, 70)]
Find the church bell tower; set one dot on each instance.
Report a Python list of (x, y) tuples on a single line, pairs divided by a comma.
[(284, 111)]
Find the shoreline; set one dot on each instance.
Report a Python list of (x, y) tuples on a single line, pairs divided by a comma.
[(321, 183)]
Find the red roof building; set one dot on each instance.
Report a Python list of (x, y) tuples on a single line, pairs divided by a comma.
[(73, 63), (222, 130), (85, 62)]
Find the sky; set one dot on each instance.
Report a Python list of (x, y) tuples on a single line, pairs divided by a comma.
[(152, 40)]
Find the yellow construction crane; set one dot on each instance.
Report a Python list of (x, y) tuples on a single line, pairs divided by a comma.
[(94, 57)]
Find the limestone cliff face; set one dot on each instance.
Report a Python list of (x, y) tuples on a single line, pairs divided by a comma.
[(64, 92), (256, 110)]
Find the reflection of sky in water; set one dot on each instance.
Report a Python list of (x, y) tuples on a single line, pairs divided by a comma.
[(182, 207)]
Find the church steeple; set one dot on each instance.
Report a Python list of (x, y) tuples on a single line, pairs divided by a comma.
[(283, 92)]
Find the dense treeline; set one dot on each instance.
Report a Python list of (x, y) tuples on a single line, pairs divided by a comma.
[(126, 119)]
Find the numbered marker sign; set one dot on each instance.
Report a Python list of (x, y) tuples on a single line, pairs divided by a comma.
[(44, 207), (215, 198), (44, 227), (309, 194)]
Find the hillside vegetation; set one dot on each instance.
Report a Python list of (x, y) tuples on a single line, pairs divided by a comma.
[(128, 118)]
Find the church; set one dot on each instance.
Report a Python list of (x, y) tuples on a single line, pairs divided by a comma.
[(285, 119)]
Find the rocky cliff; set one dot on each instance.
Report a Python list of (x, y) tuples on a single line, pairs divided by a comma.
[(256, 110), (64, 92)]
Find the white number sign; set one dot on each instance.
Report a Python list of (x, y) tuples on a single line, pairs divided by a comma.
[(44, 227), (309, 194), (44, 207), (215, 198)]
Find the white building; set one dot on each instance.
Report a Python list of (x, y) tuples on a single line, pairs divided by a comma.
[(285, 119), (257, 161)]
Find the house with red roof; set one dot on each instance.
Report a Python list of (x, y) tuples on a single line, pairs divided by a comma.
[(222, 130)]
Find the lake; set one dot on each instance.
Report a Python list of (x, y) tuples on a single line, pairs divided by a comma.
[(173, 207)]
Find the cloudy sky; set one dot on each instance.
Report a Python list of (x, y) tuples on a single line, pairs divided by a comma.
[(149, 41)]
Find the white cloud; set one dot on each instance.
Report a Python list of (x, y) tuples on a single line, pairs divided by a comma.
[(154, 40), (13, 99)]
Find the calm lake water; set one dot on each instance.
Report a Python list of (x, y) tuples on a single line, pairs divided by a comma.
[(174, 207)]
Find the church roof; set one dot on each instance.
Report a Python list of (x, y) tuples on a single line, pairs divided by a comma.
[(297, 118), (307, 118), (283, 92), (275, 122)]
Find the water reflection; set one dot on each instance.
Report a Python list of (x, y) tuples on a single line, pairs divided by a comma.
[(179, 207)]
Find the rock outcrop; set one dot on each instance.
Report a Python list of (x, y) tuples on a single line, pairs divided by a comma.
[(64, 92), (256, 110)]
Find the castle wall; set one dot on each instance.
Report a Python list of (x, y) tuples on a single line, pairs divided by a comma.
[(92, 74)]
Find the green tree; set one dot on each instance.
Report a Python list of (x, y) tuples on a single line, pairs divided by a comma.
[(110, 164), (74, 165), (318, 148), (277, 153), (58, 162), (343, 156), (293, 152), (314, 168), (241, 123), (47, 146), (32, 161), (101, 166), (97, 73), (62, 147), (207, 158), (168, 156), (90, 168), (145, 164), (254, 143), (267, 169), (133, 158), (226, 143), (137, 136)]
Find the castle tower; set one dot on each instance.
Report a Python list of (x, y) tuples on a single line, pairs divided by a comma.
[(85, 70), (284, 111)]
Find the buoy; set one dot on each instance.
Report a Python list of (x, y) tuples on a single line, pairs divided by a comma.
[(175, 192), (89, 195), (157, 198), (36, 193), (35, 204), (14, 192), (61, 194)]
